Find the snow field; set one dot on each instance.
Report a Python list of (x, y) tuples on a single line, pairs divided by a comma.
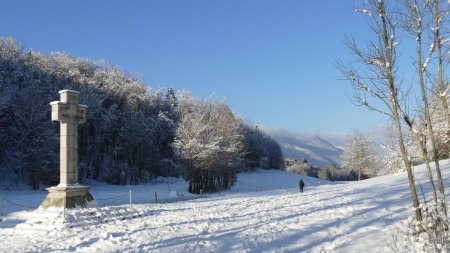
[(334, 217)]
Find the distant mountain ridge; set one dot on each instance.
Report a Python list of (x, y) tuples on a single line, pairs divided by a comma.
[(313, 148)]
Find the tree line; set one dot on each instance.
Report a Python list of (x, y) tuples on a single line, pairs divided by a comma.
[(132, 134)]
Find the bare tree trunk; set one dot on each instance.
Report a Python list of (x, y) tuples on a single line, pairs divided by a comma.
[(416, 18), (422, 142), (407, 163), (388, 44), (438, 21)]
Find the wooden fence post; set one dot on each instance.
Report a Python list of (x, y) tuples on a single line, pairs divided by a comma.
[(1, 210), (64, 207), (131, 204)]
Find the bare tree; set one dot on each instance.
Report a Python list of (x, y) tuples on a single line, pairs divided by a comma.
[(415, 20), (375, 77), (439, 10)]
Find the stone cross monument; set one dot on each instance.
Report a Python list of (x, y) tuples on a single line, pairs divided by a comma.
[(69, 193)]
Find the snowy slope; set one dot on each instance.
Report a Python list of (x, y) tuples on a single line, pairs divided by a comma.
[(264, 212), (314, 149)]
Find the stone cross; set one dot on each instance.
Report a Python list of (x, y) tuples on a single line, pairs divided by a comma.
[(68, 194), (70, 114)]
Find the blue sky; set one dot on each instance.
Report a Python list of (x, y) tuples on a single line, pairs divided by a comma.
[(272, 60)]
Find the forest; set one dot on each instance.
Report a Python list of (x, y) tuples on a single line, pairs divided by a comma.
[(133, 133)]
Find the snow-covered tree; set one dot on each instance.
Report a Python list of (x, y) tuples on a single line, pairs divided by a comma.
[(359, 155), (261, 150), (325, 173), (129, 128), (300, 166), (209, 142), (392, 160), (440, 125)]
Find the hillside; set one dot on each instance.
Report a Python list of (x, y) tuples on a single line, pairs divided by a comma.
[(132, 132), (314, 149), (264, 212)]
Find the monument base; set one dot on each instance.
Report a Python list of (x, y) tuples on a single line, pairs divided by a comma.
[(71, 196)]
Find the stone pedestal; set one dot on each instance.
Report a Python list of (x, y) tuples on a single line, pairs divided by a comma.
[(74, 195)]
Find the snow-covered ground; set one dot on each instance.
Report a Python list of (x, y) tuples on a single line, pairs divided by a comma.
[(264, 212)]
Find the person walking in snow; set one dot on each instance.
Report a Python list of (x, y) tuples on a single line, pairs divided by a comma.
[(301, 184)]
